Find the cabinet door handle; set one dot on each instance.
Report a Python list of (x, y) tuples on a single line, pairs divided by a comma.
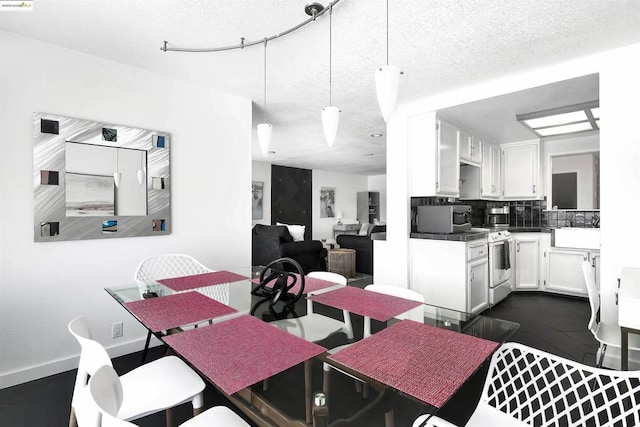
[(534, 188), (518, 247)]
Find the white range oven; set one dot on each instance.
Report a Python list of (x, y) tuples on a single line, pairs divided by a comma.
[(501, 258)]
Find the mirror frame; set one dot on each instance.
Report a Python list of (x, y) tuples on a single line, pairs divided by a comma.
[(50, 134)]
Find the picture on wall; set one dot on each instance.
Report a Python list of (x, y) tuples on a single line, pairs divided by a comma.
[(327, 202), (89, 195), (256, 199)]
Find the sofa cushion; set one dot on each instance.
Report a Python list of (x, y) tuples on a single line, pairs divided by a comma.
[(296, 231)]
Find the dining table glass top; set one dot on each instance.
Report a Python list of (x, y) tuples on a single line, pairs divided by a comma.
[(400, 358)]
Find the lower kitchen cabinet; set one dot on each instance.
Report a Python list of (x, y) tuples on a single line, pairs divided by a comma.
[(451, 274), (564, 270), (527, 260)]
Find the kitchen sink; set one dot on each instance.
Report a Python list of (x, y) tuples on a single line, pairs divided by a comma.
[(578, 238)]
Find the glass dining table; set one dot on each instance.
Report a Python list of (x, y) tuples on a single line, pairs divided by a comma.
[(225, 330)]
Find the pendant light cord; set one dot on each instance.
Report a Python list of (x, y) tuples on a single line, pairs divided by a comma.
[(264, 111), (330, 15), (387, 32)]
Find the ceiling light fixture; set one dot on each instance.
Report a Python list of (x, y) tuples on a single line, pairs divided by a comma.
[(566, 120), (330, 114), (387, 81), (265, 129)]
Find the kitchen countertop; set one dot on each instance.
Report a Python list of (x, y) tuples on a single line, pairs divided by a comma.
[(466, 236)]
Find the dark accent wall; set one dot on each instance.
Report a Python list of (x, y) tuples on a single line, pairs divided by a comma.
[(291, 197)]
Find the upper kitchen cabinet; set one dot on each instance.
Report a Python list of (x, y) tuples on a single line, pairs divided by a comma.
[(435, 158), (521, 170), (470, 149), (490, 188)]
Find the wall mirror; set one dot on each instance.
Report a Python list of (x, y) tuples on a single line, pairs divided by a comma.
[(97, 180)]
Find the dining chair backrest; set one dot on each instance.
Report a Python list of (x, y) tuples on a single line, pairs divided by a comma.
[(592, 291), (105, 394), (539, 388), (92, 357), (339, 279), (416, 314), (167, 266)]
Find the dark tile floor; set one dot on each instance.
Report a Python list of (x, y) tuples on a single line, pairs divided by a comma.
[(552, 323)]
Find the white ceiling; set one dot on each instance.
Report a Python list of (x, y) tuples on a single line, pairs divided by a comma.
[(439, 44)]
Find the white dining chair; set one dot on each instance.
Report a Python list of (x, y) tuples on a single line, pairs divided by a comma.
[(526, 386), (167, 266), (416, 314), (105, 394), (154, 387), (313, 326), (606, 334)]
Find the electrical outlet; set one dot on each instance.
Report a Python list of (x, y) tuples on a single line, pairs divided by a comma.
[(116, 330)]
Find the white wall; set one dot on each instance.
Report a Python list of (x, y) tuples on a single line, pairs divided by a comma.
[(44, 285)]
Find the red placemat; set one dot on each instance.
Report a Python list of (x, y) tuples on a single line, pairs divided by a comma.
[(311, 284), (237, 353), (423, 361), (375, 305), (201, 280), (171, 311)]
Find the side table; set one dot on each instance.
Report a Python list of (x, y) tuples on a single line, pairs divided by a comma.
[(343, 261)]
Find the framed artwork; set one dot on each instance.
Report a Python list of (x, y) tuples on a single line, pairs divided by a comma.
[(327, 202), (89, 195), (256, 199)]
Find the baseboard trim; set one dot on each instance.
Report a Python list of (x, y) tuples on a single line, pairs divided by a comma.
[(36, 372)]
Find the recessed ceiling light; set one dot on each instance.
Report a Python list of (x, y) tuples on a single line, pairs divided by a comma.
[(376, 135), (564, 120)]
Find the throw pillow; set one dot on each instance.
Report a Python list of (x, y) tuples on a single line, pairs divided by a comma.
[(364, 229), (296, 231)]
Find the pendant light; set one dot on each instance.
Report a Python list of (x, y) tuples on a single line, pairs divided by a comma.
[(387, 81), (117, 175), (265, 129), (140, 173), (330, 114)]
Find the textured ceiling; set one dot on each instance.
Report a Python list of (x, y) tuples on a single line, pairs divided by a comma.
[(439, 44)]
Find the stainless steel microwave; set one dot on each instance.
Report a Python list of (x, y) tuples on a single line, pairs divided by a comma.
[(443, 219)]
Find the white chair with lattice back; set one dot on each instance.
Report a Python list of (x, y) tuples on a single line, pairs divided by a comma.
[(530, 387), (606, 334), (106, 394), (168, 266), (154, 387)]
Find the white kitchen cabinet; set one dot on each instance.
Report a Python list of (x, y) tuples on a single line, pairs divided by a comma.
[(470, 148), (521, 170), (564, 271), (527, 260), (490, 187), (451, 274), (448, 169), (478, 285), (435, 158)]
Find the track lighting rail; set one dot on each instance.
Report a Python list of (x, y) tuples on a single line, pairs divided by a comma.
[(313, 9)]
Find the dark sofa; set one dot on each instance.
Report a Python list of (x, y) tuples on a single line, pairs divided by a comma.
[(270, 242), (363, 246)]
